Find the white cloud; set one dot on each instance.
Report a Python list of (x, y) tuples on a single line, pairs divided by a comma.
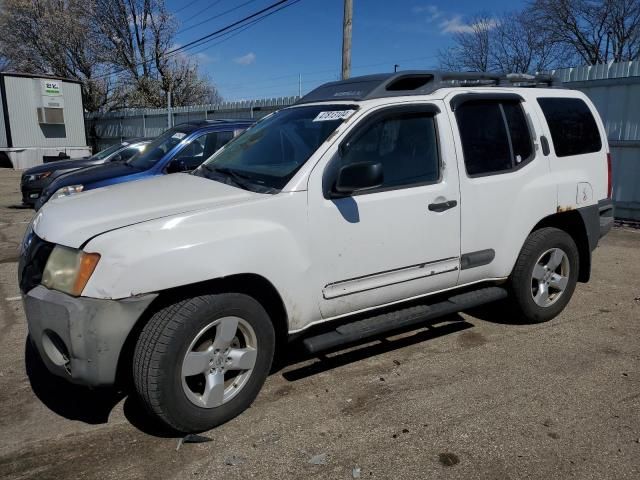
[(456, 25), (432, 12), (204, 58), (247, 59)]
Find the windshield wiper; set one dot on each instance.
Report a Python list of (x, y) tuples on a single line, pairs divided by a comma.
[(241, 180), (238, 178)]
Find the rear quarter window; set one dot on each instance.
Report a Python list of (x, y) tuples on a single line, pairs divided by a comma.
[(573, 129)]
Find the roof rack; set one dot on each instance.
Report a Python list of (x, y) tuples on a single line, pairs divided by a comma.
[(417, 82)]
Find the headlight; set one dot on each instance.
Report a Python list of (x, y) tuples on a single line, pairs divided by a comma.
[(66, 191), (38, 176), (68, 269)]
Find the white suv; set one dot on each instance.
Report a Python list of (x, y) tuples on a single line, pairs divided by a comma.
[(424, 193)]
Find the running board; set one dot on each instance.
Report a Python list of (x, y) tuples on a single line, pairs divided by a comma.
[(401, 318)]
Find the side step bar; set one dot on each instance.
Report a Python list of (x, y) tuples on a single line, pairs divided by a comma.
[(402, 318)]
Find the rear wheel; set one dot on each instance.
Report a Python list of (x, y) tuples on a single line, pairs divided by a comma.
[(201, 361), (545, 275)]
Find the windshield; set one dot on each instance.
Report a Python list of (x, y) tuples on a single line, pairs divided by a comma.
[(102, 154), (159, 147), (268, 155)]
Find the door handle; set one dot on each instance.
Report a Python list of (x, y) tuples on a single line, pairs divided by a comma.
[(544, 143), (442, 206)]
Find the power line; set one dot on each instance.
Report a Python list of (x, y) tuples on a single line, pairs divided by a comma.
[(238, 29), (271, 9), (186, 6), (222, 14)]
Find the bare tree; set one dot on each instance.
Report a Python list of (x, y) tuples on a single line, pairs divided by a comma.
[(506, 44), (138, 36), (623, 29), (54, 37), (117, 49), (471, 51), (591, 29), (519, 46)]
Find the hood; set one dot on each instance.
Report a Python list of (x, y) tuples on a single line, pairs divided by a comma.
[(93, 174), (73, 220), (62, 165)]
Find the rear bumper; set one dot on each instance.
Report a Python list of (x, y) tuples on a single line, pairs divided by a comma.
[(605, 210), (81, 338)]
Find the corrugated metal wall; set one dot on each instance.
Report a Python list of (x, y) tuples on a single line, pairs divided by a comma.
[(22, 103), (615, 90), (3, 132), (106, 129)]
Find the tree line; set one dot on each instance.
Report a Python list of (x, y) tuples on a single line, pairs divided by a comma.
[(547, 34), (116, 48)]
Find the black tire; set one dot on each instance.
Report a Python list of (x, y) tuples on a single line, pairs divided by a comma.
[(520, 281), (163, 343)]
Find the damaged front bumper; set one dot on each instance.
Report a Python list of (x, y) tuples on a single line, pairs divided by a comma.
[(81, 338)]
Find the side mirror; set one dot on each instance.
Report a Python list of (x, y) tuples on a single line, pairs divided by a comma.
[(117, 158), (176, 166), (358, 176)]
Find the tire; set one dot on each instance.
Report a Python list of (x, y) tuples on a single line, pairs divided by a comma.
[(167, 381), (527, 291)]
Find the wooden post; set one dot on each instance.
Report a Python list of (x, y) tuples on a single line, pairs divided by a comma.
[(346, 39)]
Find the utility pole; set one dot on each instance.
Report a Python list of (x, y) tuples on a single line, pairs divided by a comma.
[(346, 39), (299, 85), (395, 68)]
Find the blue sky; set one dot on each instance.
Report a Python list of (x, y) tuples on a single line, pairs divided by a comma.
[(306, 38)]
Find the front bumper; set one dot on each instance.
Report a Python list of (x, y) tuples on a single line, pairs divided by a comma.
[(81, 338), (30, 194)]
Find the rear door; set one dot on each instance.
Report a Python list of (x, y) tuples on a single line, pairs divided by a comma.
[(578, 149), (504, 179)]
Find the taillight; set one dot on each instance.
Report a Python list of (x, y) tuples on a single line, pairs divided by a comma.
[(609, 184)]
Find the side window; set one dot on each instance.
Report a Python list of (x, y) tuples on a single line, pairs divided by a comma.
[(196, 152), (519, 132), (494, 134), (573, 128), (222, 139), (127, 153), (404, 143)]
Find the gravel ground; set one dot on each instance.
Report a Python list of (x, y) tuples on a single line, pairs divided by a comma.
[(467, 398)]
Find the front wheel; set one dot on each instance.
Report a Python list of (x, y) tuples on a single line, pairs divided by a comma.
[(201, 361), (545, 275)]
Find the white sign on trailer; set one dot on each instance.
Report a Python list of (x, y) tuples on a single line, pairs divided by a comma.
[(51, 92)]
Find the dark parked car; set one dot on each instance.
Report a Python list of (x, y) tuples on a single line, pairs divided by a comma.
[(179, 149), (36, 179)]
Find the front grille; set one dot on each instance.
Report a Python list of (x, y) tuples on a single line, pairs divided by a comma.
[(32, 262)]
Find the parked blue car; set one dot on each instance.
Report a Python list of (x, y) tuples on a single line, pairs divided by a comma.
[(180, 149), (35, 179)]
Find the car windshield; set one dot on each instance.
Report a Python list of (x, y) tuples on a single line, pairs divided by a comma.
[(102, 154), (159, 147), (268, 155)]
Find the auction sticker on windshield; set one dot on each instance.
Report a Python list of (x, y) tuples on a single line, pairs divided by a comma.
[(179, 135), (333, 115)]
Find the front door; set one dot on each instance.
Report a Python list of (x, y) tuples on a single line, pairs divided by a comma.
[(397, 241)]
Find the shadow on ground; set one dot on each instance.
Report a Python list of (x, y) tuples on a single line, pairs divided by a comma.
[(71, 401), (94, 406)]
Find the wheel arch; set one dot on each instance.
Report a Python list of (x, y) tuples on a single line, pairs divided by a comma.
[(253, 285), (572, 222)]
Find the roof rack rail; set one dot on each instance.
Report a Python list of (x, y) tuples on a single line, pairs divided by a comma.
[(417, 82)]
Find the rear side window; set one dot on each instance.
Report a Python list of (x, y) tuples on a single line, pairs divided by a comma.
[(573, 129), (495, 136)]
